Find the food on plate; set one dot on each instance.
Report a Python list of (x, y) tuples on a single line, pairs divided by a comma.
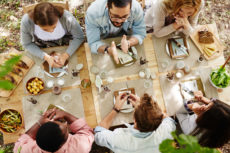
[(10, 120), (10, 78), (209, 49), (17, 71), (35, 86), (205, 37), (22, 64), (220, 78)]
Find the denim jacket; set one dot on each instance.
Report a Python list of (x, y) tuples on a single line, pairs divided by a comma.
[(97, 23)]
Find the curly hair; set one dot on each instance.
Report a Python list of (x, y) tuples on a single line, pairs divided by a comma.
[(50, 137), (148, 115)]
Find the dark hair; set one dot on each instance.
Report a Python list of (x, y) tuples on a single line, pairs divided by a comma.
[(119, 3), (213, 126), (46, 14), (50, 137), (148, 115)]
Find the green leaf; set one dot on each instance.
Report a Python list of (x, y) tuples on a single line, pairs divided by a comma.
[(6, 84), (8, 65), (187, 144), (2, 150), (19, 149), (167, 146)]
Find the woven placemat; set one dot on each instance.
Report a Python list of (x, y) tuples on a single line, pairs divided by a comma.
[(32, 111), (106, 99), (171, 90), (105, 62), (69, 79), (159, 45)]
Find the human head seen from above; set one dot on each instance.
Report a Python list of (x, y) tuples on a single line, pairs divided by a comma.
[(46, 16), (119, 11), (147, 114), (52, 135), (183, 8)]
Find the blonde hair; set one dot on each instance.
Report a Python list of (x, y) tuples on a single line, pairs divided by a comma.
[(174, 6)]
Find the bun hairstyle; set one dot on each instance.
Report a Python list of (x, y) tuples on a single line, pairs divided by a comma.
[(148, 115), (174, 6), (46, 13)]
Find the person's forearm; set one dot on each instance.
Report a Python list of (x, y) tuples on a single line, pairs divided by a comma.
[(133, 41), (70, 118), (34, 50), (107, 121), (101, 49), (32, 132), (205, 100)]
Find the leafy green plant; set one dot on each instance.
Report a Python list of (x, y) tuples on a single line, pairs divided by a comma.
[(185, 144), (5, 69), (7, 148)]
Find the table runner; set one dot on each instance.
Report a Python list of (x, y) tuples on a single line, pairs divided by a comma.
[(32, 111), (105, 62), (171, 90), (159, 45), (106, 100), (69, 79)]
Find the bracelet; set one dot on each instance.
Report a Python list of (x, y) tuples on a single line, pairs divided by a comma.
[(106, 50), (117, 110)]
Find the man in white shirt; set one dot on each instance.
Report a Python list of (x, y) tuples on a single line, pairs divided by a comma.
[(150, 127)]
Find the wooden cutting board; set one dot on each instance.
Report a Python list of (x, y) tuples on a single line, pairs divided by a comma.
[(28, 61), (219, 46)]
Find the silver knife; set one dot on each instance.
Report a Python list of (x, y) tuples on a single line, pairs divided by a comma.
[(49, 75)]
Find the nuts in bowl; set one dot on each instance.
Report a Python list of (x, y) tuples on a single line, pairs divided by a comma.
[(35, 86)]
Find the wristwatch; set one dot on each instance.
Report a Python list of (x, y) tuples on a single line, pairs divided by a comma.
[(106, 50)]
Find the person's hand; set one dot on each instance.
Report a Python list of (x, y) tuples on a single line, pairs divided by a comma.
[(134, 99), (47, 116), (59, 115), (197, 108), (124, 44), (198, 95), (113, 51), (182, 22), (120, 100), (62, 59), (51, 61)]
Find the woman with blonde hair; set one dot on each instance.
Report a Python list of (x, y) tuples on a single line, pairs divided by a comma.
[(167, 16)]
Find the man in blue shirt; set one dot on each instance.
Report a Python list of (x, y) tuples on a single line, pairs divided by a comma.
[(109, 18)]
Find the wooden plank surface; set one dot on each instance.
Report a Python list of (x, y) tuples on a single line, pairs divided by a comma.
[(87, 96), (219, 47), (29, 62)]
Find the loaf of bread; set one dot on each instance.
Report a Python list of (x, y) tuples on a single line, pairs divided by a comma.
[(205, 37)]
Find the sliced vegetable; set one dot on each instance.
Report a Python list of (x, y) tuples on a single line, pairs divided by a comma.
[(10, 121)]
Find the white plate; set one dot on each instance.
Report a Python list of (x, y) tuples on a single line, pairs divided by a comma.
[(126, 110), (167, 47)]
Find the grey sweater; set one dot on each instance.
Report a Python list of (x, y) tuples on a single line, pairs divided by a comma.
[(68, 22)]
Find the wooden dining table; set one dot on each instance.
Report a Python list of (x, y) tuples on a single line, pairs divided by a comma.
[(89, 95)]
